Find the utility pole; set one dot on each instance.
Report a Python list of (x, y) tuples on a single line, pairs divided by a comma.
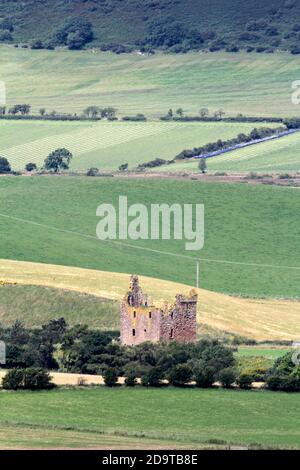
[(198, 273)]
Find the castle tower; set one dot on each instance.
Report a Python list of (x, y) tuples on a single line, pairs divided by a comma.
[(140, 322)]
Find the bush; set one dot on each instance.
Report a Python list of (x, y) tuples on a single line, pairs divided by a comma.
[(13, 380), (227, 377), (30, 167), (4, 165), (152, 378), (37, 379), (204, 377), (180, 375), (284, 375), (130, 380), (110, 377), (27, 379), (92, 172), (244, 381)]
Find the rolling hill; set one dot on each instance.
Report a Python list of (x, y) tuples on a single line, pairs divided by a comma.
[(74, 294), (251, 231), (272, 23), (70, 81)]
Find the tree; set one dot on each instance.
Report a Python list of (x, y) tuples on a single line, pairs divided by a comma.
[(4, 165), (285, 374), (179, 112), (123, 167), (92, 112), (152, 378), (13, 380), (130, 380), (204, 376), (30, 167), (42, 111), (27, 379), (180, 375), (110, 377), (245, 380), (58, 160), (227, 377), (204, 112), (202, 165), (74, 32), (170, 113)]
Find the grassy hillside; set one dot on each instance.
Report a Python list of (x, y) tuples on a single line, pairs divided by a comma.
[(128, 21), (259, 319), (279, 156), (106, 145), (244, 224), (175, 417), (35, 306), (69, 81)]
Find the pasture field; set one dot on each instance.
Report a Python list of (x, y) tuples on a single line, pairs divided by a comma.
[(279, 156), (251, 233), (139, 417), (268, 353), (107, 145), (45, 292), (252, 84)]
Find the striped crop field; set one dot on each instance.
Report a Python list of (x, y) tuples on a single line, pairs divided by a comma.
[(280, 155), (107, 145)]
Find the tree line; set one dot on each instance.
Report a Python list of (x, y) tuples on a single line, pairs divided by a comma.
[(33, 352)]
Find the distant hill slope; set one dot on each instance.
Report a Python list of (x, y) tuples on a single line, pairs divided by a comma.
[(271, 23), (254, 318)]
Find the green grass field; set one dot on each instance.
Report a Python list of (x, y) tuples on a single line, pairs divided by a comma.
[(253, 84), (244, 224), (168, 416), (268, 353), (107, 145), (278, 156)]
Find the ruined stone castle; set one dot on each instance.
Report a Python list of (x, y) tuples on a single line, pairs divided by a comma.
[(141, 321)]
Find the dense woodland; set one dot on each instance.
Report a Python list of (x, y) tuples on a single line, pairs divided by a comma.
[(172, 25)]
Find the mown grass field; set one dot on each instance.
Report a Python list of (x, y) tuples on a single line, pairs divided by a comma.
[(253, 84), (107, 145), (277, 156), (174, 417), (243, 224), (258, 319)]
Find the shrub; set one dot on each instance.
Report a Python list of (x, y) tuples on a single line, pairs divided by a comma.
[(4, 165), (227, 377), (30, 167), (37, 379), (284, 375), (180, 375), (13, 380), (204, 377), (110, 377), (92, 172), (27, 379), (152, 378), (244, 381), (130, 380)]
